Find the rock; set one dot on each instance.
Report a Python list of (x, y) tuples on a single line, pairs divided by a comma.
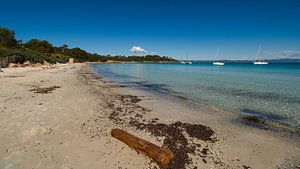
[(71, 60), (13, 65), (27, 63), (37, 65), (46, 63), (112, 61)]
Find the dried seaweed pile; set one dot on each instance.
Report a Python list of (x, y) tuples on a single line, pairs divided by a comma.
[(177, 142), (44, 90)]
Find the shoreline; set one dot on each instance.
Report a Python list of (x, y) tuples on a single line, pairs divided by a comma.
[(74, 127)]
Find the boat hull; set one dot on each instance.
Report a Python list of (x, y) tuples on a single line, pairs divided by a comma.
[(218, 63), (260, 63)]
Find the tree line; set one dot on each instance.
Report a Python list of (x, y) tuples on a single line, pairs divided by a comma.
[(38, 51)]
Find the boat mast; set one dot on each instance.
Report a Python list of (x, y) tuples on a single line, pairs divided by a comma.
[(187, 54), (217, 54), (258, 54)]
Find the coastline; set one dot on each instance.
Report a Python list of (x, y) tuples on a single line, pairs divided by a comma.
[(70, 127)]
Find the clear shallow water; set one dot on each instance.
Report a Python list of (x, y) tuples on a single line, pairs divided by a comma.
[(268, 91)]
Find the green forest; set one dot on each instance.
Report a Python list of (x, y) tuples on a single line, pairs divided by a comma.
[(38, 51)]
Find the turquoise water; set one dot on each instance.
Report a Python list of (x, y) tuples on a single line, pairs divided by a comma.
[(268, 91)]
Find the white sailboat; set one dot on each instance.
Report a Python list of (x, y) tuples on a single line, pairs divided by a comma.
[(259, 62), (218, 63), (186, 61)]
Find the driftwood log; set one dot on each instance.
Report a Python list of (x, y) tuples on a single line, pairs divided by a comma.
[(160, 155)]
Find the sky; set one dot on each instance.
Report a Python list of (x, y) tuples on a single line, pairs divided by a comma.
[(166, 27)]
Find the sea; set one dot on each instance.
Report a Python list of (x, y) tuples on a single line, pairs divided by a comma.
[(270, 92)]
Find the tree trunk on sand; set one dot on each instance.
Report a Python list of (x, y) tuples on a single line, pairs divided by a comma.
[(160, 155)]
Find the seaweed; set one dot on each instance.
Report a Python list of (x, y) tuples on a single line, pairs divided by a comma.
[(176, 141), (44, 90)]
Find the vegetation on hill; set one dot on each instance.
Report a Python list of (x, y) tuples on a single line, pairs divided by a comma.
[(38, 51)]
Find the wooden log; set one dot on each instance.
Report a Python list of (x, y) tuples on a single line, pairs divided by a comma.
[(160, 155)]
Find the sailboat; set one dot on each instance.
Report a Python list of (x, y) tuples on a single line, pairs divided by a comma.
[(218, 63), (259, 62), (186, 61)]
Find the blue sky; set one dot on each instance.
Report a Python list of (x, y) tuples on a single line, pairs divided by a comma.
[(166, 27)]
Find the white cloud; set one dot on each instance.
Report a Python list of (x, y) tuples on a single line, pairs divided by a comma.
[(284, 54), (137, 49)]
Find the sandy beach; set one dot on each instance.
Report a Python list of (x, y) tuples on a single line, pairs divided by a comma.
[(61, 117)]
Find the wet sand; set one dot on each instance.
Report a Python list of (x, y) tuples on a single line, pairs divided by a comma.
[(61, 117)]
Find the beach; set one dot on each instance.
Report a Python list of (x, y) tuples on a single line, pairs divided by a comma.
[(61, 117)]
